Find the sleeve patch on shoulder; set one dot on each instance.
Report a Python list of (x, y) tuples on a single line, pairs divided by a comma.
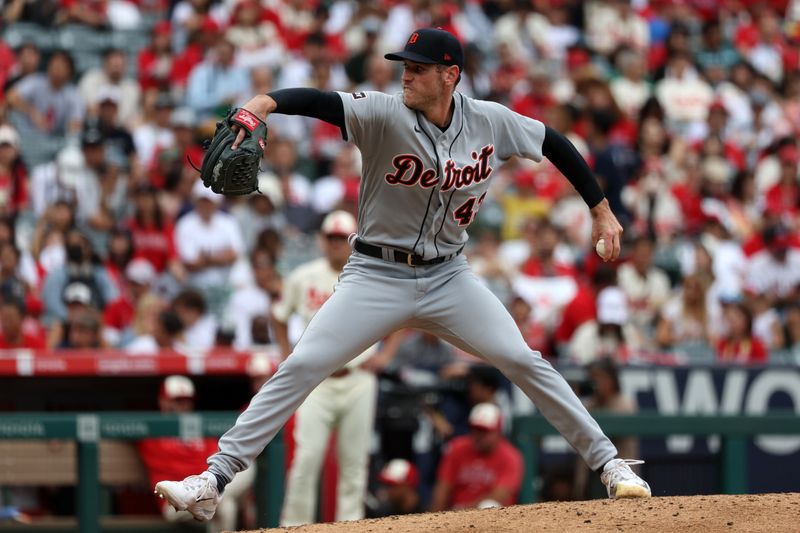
[(359, 95)]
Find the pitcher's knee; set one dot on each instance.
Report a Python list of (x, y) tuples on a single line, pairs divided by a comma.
[(521, 360), (305, 370)]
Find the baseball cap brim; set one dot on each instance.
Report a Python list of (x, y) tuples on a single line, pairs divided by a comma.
[(410, 56)]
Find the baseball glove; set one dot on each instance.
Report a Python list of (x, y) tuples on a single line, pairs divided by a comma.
[(234, 172)]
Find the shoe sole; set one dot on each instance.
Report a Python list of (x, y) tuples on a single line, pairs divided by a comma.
[(631, 491)]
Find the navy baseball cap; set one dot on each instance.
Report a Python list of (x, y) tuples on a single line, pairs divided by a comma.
[(432, 46)]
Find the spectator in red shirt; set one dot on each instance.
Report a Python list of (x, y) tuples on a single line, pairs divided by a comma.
[(120, 249), (90, 12), (542, 262), (739, 345), (153, 233), (201, 40), (13, 174), (582, 308), (119, 316), (12, 318), (783, 198), (173, 456), (717, 139), (689, 193), (155, 63), (7, 64), (183, 151), (481, 469), (536, 99)]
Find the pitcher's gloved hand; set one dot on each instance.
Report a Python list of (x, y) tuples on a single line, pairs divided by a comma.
[(235, 172)]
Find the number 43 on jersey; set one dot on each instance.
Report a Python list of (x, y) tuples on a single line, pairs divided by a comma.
[(467, 211)]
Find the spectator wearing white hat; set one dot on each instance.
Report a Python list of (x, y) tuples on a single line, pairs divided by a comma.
[(209, 242), (481, 469), (609, 335), (82, 328), (398, 495)]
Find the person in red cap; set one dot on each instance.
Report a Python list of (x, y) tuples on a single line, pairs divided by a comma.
[(399, 492), (174, 456), (481, 469)]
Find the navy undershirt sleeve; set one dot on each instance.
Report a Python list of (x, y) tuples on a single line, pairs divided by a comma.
[(569, 162), (312, 103)]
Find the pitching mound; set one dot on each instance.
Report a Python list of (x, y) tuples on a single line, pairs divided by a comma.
[(689, 514)]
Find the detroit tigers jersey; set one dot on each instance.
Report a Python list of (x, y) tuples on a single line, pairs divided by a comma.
[(421, 187)]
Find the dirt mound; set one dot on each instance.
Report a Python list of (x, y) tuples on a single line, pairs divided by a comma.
[(695, 514)]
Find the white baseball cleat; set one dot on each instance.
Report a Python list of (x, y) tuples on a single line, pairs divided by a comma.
[(621, 482), (196, 494)]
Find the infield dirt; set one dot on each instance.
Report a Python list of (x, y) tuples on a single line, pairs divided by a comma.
[(680, 514)]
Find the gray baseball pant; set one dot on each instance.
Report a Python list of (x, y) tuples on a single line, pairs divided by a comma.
[(375, 298)]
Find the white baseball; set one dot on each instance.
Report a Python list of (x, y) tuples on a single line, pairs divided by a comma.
[(600, 247)]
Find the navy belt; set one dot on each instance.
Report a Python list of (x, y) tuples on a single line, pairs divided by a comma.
[(398, 256)]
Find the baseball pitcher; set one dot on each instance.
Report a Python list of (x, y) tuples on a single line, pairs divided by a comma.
[(429, 155)]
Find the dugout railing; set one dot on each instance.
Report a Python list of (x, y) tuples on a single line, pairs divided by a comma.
[(87, 429), (734, 432)]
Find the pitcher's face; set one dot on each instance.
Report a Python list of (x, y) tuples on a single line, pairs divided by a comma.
[(423, 84)]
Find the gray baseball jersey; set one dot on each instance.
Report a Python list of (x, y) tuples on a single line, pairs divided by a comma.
[(421, 186), (420, 189)]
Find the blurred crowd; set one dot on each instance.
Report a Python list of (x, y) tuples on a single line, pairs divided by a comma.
[(688, 111)]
